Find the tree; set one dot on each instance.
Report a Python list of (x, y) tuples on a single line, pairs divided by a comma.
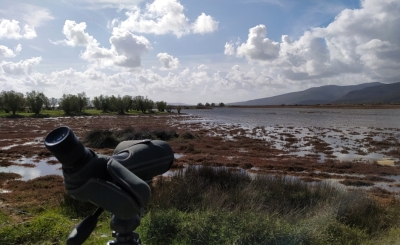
[(161, 105), (200, 104), (207, 104), (69, 103), (53, 102), (148, 105), (169, 108), (221, 104), (1, 102), (102, 102), (83, 101), (213, 104), (12, 101), (128, 102), (96, 103), (118, 104), (178, 109), (35, 101), (138, 102)]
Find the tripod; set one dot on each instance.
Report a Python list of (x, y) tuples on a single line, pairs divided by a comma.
[(123, 230)]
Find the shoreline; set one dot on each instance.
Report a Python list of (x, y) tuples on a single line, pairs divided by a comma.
[(396, 106)]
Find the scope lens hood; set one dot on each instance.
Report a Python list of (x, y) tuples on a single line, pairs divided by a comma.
[(67, 148)]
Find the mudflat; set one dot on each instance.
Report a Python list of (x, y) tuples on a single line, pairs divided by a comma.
[(198, 143)]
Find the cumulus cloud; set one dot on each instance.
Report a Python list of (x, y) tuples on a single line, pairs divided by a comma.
[(258, 47), (23, 67), (5, 52), (229, 49), (168, 62), (204, 23), (10, 29), (126, 49), (166, 16), (361, 41)]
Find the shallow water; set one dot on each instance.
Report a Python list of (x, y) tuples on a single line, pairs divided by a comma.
[(41, 168), (339, 128), (302, 117)]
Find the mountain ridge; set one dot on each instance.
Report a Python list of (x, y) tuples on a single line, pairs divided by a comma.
[(312, 96)]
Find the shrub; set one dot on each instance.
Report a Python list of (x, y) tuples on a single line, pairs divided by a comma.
[(100, 139), (187, 135)]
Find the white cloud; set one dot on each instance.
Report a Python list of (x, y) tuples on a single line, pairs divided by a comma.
[(204, 24), (76, 35), (258, 47), (10, 29), (5, 52), (126, 49), (23, 67), (105, 4), (32, 15), (168, 62), (229, 49), (361, 41), (166, 16)]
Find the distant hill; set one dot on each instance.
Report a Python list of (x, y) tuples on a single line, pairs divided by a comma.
[(385, 93), (311, 96), (178, 103)]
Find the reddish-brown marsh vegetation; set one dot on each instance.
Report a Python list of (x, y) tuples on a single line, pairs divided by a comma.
[(276, 150)]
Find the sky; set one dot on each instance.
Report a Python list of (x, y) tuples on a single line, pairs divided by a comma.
[(187, 51)]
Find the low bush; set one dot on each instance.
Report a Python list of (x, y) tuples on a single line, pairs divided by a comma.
[(110, 139), (100, 139), (48, 228)]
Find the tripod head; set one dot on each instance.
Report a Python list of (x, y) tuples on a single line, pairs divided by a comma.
[(113, 183)]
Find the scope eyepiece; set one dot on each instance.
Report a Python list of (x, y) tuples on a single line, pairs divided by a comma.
[(56, 136), (67, 148)]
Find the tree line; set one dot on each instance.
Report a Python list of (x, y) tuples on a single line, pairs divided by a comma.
[(34, 101)]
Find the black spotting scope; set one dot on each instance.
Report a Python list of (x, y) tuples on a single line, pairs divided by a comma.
[(117, 183)]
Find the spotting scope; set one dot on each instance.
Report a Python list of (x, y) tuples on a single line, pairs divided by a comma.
[(117, 183)]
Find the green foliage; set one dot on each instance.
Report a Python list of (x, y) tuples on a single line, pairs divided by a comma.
[(35, 101), (221, 104), (53, 102), (69, 103), (204, 205), (104, 102), (128, 102), (117, 104), (47, 228), (82, 101), (178, 109), (12, 101), (161, 105)]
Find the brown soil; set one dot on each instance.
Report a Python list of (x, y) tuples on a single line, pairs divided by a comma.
[(196, 144)]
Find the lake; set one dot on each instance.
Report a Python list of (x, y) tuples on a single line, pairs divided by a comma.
[(301, 117)]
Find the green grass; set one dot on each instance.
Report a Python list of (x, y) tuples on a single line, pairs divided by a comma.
[(218, 206), (61, 113)]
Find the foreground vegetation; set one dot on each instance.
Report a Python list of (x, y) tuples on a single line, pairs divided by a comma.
[(221, 206)]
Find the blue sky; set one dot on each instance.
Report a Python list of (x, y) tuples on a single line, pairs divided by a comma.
[(196, 51)]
